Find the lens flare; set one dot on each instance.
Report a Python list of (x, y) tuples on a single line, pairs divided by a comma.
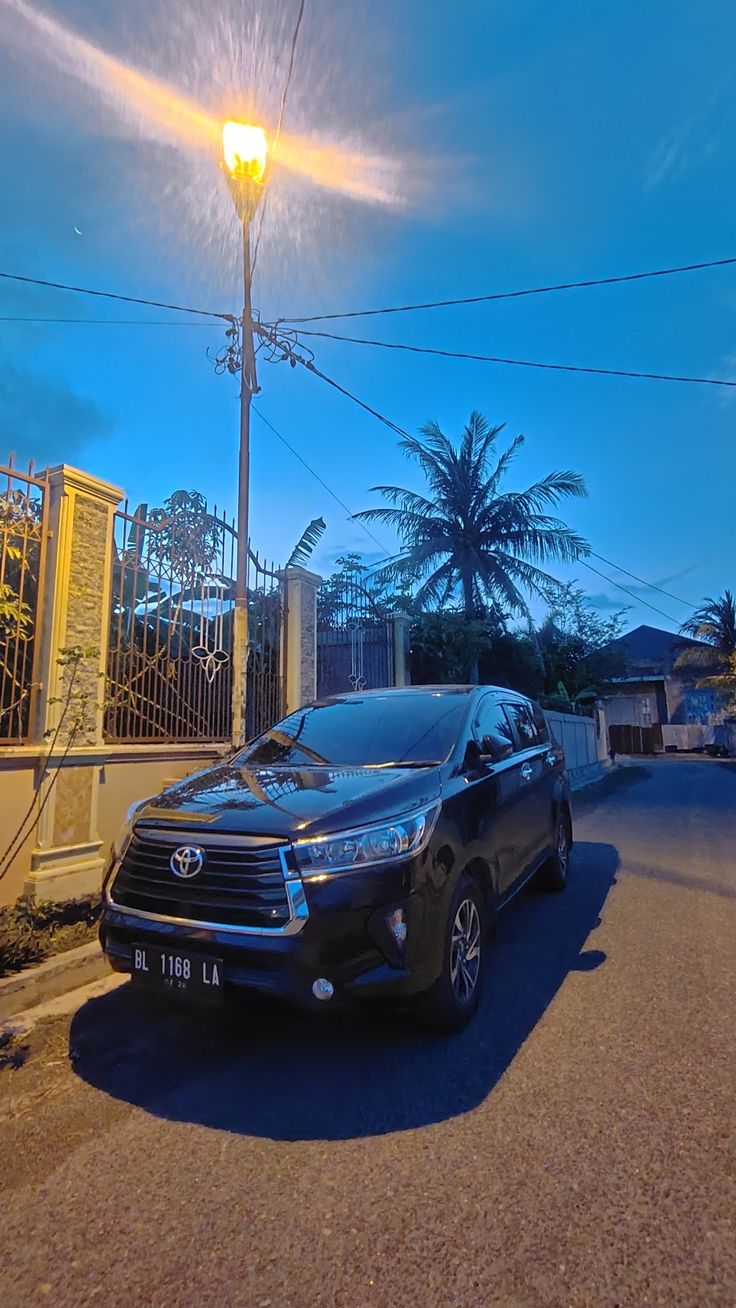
[(160, 112)]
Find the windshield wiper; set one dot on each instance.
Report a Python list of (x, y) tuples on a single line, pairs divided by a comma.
[(406, 763)]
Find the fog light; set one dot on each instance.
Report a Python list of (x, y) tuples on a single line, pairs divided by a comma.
[(322, 988), (396, 923)]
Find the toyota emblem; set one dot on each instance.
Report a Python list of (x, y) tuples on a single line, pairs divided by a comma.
[(187, 861)]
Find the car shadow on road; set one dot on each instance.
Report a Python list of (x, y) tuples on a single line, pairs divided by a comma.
[(260, 1069)]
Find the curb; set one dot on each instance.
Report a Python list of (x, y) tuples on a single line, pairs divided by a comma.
[(55, 976), (588, 775)]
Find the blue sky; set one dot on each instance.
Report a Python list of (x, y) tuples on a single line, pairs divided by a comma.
[(535, 143)]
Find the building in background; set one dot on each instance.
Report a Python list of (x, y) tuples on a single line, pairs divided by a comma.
[(658, 704)]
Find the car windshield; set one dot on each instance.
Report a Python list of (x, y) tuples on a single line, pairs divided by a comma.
[(410, 729)]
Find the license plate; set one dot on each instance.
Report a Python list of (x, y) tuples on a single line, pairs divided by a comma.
[(178, 972)]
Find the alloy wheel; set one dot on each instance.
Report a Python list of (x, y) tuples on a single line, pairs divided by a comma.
[(465, 947), (563, 847)]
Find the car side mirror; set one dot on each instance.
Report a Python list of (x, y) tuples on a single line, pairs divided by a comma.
[(495, 753), (476, 757), (473, 757)]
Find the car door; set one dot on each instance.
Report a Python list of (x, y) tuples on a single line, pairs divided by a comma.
[(536, 781), (495, 791)]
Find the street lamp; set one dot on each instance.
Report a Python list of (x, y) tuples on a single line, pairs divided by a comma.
[(245, 159)]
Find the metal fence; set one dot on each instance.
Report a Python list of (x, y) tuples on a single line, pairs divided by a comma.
[(355, 640), (169, 672), (23, 508)]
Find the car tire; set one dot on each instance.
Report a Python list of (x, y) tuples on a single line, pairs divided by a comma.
[(453, 999), (554, 873)]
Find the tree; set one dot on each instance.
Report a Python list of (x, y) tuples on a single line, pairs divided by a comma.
[(445, 644), (714, 624), (465, 540), (353, 592), (578, 646)]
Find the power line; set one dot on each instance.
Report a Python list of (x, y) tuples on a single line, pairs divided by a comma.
[(112, 295), (521, 363), (642, 582), (312, 367), (307, 363), (628, 592), (282, 109), (109, 322), (514, 295), (321, 481)]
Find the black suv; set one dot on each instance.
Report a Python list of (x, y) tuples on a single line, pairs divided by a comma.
[(361, 847)]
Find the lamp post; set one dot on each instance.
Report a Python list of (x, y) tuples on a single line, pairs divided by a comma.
[(245, 156)]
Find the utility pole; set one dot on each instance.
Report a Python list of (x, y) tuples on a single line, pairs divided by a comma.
[(245, 153)]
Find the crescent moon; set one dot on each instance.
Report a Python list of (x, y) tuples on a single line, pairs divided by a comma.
[(77, 231)]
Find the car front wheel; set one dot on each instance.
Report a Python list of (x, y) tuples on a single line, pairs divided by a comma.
[(454, 997)]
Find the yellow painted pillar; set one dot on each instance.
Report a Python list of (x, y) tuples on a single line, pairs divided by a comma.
[(68, 860)]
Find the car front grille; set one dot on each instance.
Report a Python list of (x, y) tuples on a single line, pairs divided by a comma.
[(241, 883)]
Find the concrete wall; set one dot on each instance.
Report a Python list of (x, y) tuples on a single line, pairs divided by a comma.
[(17, 792), (639, 704), (585, 742), (122, 774)]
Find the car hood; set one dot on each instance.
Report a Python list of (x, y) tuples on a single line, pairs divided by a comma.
[(290, 802)]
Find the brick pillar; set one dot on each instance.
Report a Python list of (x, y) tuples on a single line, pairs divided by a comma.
[(299, 639), (402, 673), (68, 860)]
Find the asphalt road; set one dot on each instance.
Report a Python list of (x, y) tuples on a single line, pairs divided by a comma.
[(574, 1147)]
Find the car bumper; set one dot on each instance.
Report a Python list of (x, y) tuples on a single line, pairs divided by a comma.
[(345, 939)]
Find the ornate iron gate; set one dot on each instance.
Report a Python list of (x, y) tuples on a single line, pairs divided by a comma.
[(169, 671), (355, 640), (23, 513)]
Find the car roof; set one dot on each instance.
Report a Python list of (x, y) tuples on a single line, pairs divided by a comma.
[(380, 692)]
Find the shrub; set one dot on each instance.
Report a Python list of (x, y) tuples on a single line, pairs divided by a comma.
[(33, 930)]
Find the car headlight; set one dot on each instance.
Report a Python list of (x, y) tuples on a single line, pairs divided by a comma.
[(365, 846)]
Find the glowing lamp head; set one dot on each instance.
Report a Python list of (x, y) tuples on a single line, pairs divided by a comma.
[(245, 150)]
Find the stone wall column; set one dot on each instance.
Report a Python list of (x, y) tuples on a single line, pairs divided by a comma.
[(299, 637), (402, 673), (68, 859)]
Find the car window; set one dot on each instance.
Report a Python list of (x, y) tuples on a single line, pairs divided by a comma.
[(492, 729), (540, 723), (527, 731), (410, 727)]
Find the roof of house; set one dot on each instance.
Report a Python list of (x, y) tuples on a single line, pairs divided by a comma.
[(651, 647)]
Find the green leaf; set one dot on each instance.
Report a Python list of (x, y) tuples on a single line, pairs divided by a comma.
[(307, 543)]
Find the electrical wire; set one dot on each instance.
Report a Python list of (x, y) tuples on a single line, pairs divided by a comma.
[(521, 363), (631, 593), (110, 322), (650, 585), (312, 367), (393, 426), (515, 295), (112, 295), (282, 109), (321, 481)]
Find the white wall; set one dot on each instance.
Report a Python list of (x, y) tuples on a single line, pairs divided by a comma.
[(585, 742)]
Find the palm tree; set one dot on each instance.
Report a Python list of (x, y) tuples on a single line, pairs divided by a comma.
[(465, 540), (714, 623)]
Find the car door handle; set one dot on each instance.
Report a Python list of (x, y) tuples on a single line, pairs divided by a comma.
[(527, 772)]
